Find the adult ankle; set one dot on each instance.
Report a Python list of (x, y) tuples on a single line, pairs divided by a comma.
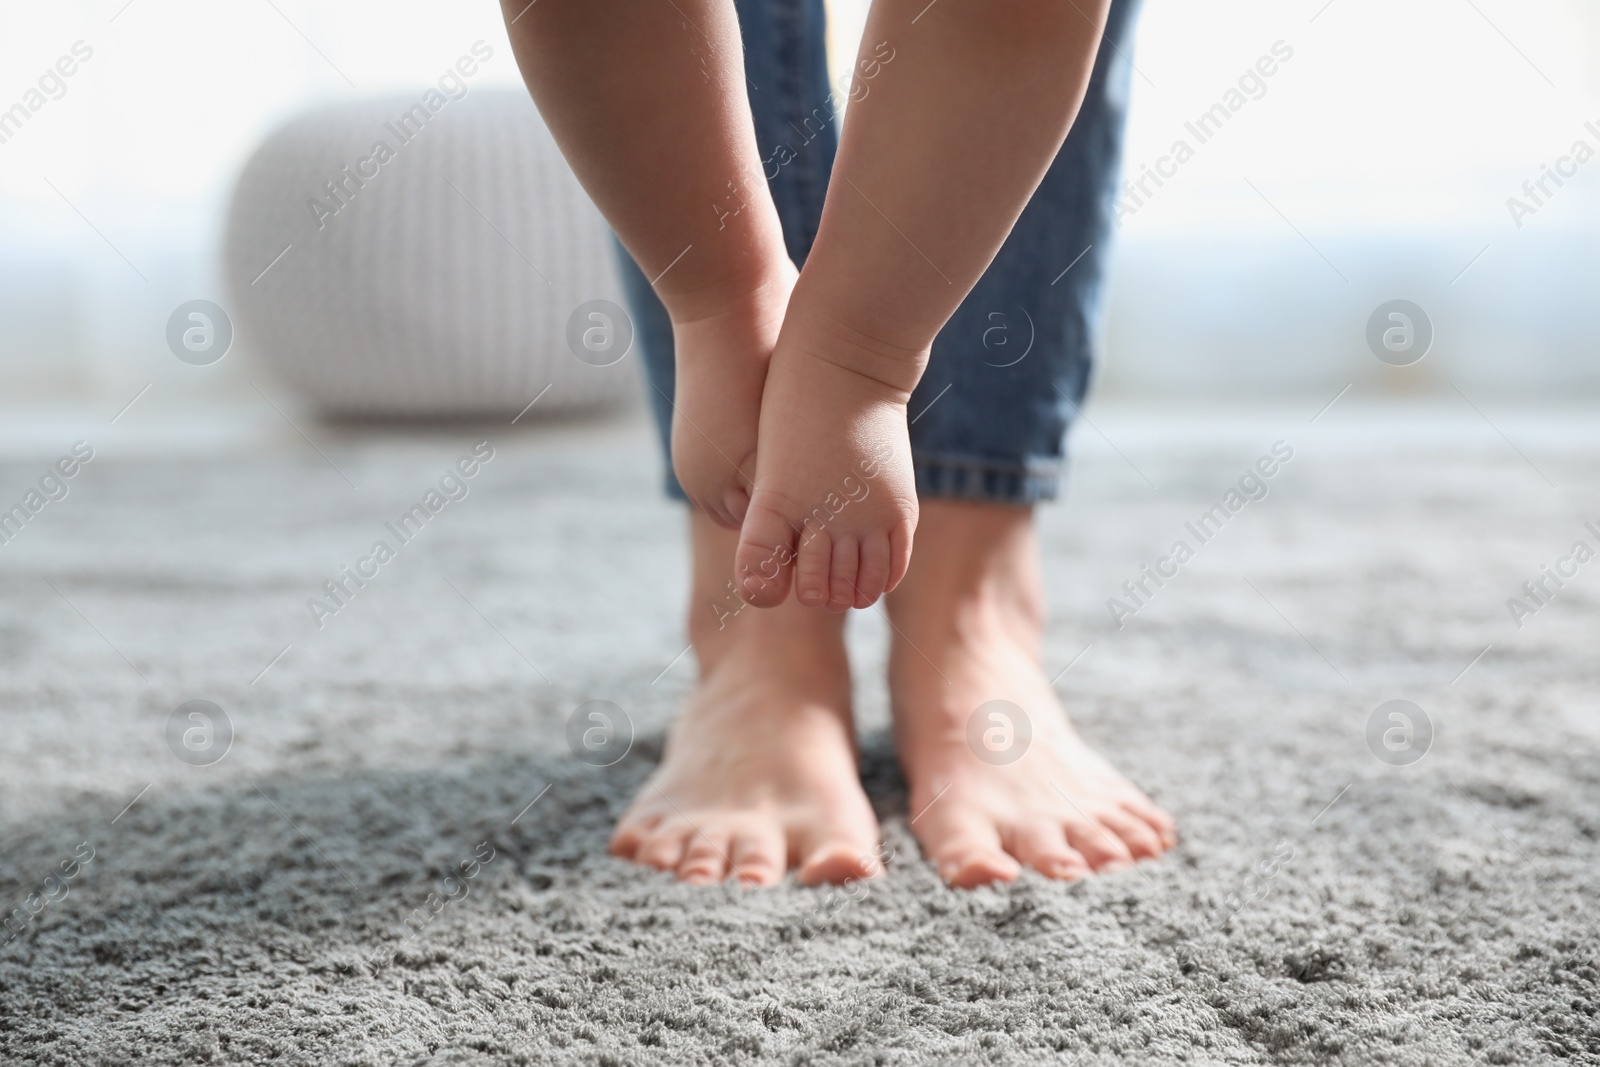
[(721, 624), (975, 565)]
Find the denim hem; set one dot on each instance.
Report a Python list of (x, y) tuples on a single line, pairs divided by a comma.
[(954, 478)]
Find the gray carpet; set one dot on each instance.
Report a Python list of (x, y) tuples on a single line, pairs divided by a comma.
[(1324, 907)]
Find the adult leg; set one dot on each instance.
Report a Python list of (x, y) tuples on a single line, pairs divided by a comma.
[(1003, 383)]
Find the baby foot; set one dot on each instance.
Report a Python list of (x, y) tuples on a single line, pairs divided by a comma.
[(722, 352), (834, 505), (967, 621)]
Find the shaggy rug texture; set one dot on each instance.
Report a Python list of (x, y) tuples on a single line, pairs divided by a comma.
[(398, 859)]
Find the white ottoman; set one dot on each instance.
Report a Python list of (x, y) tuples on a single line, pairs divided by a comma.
[(389, 260)]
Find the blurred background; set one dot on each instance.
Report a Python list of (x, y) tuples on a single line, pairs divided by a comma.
[(1375, 163)]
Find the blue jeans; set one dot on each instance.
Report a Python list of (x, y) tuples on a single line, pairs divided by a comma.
[(1006, 375)]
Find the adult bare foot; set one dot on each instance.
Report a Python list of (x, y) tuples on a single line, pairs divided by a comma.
[(760, 769), (967, 623)]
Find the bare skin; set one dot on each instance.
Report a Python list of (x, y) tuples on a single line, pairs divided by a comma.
[(967, 623), (791, 395), (934, 167), (720, 373), (760, 773), (648, 103)]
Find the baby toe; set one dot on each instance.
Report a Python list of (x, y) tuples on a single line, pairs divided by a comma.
[(872, 570), (842, 574), (899, 556), (813, 569), (762, 563)]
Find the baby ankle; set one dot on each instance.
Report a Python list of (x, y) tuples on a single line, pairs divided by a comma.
[(857, 349), (726, 293)]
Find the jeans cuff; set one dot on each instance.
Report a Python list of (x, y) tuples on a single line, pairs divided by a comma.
[(988, 481)]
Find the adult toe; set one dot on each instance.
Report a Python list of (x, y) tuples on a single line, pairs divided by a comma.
[(1043, 846), (705, 858), (1103, 849), (1140, 839), (663, 849), (632, 831), (965, 847), (757, 855)]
